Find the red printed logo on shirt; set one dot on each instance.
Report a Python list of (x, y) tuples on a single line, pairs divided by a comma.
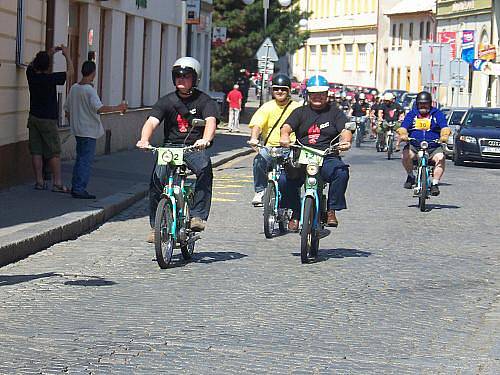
[(313, 134), (182, 124)]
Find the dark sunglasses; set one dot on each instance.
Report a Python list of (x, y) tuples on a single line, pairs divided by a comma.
[(182, 75), (283, 89)]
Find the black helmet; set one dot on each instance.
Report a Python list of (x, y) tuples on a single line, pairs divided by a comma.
[(424, 97), (281, 80)]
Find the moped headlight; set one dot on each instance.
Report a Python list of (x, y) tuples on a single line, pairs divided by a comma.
[(312, 169), (167, 156), (274, 152), (311, 181), (420, 154), (424, 145)]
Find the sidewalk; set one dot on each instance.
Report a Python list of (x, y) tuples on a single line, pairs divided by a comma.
[(32, 220)]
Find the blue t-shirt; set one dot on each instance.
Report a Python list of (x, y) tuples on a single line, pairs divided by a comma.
[(438, 122)]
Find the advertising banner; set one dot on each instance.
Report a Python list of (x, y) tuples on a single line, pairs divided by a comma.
[(449, 37), (487, 52), (219, 36), (193, 8), (468, 49)]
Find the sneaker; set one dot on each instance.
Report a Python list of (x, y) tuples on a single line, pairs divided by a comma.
[(82, 195), (410, 181), (293, 225), (331, 220), (257, 199), (435, 190), (151, 236), (197, 224)]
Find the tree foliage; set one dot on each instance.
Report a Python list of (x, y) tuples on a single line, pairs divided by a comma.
[(245, 33)]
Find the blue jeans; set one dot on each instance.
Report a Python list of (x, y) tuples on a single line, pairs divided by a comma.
[(85, 151), (333, 171), (200, 164), (261, 165)]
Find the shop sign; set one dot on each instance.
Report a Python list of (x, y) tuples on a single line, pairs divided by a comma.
[(219, 36), (193, 9), (449, 37), (468, 49), (487, 52)]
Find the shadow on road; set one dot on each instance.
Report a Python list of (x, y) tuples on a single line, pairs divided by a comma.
[(325, 254), (206, 257), (431, 207), (18, 279), (96, 281)]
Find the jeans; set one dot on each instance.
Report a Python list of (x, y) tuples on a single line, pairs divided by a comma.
[(85, 151), (234, 119), (333, 171), (261, 165), (200, 164)]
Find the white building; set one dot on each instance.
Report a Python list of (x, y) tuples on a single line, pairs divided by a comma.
[(343, 40), (411, 23), (134, 44)]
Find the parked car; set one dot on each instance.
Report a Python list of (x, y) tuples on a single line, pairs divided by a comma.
[(406, 100), (478, 138), (454, 117)]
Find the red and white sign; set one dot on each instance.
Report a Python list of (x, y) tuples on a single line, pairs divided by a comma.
[(487, 52), (449, 37)]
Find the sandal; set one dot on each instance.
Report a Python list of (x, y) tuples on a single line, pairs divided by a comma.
[(60, 189), (42, 186)]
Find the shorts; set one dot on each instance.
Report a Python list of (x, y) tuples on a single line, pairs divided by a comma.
[(43, 137), (382, 127), (432, 151)]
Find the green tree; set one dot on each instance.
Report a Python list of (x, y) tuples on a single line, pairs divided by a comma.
[(245, 33)]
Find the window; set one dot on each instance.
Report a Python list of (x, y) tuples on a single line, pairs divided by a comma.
[(392, 78), (394, 34), (398, 83), (349, 58), (324, 57), (421, 31), (362, 57), (400, 34), (408, 79), (428, 31), (411, 34)]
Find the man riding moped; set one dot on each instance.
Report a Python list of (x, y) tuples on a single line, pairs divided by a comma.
[(424, 123), (178, 110), (317, 125)]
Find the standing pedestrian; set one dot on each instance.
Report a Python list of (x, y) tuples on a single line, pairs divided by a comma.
[(44, 142), (83, 108), (234, 98)]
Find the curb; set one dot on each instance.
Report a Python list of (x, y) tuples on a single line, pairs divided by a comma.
[(23, 243)]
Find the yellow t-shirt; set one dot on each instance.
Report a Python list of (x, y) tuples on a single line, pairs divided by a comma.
[(267, 115)]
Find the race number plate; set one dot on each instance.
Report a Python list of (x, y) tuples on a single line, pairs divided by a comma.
[(423, 124), (307, 157), (170, 156), (493, 150)]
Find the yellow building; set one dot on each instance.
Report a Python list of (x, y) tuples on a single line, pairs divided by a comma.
[(343, 41)]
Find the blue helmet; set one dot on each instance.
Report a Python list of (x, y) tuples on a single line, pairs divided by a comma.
[(317, 83)]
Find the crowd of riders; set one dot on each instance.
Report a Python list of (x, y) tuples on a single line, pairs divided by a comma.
[(317, 123)]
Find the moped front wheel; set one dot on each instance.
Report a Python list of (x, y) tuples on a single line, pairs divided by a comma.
[(423, 190), (308, 238), (269, 203), (164, 238), (187, 248), (359, 136), (390, 143)]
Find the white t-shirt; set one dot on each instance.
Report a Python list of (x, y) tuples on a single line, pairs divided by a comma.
[(82, 104)]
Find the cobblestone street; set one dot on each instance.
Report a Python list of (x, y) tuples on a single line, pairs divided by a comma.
[(394, 291)]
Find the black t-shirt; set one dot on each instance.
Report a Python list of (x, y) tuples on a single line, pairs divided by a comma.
[(391, 112), (43, 93), (317, 128), (177, 129), (346, 104), (359, 109)]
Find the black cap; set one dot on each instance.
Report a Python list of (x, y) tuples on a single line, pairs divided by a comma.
[(282, 80), (424, 97)]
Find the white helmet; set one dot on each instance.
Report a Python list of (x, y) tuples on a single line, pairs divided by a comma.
[(362, 96), (187, 65), (389, 96)]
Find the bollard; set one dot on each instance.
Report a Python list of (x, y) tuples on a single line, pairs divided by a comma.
[(107, 146)]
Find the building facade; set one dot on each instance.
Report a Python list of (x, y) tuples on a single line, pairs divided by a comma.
[(479, 17), (410, 24), (342, 43), (134, 44)]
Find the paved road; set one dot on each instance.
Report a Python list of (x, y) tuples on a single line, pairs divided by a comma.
[(394, 290)]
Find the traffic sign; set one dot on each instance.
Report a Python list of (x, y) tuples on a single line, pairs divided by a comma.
[(262, 65), (267, 51)]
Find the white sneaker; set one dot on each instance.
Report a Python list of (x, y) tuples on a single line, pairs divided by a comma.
[(257, 199)]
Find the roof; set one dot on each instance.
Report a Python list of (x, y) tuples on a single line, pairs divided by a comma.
[(412, 6)]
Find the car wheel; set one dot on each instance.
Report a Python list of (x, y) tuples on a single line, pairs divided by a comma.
[(457, 160)]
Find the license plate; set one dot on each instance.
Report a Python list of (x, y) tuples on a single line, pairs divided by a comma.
[(308, 157), (422, 124), (493, 150), (170, 156)]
